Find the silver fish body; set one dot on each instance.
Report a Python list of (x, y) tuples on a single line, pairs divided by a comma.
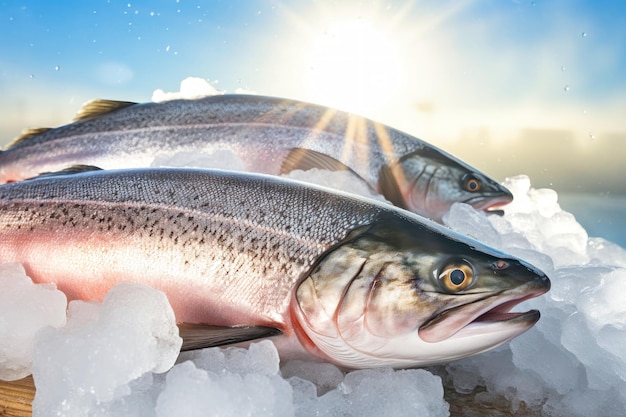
[(256, 134), (349, 280)]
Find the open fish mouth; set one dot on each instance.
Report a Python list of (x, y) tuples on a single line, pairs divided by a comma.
[(490, 314), (490, 205)]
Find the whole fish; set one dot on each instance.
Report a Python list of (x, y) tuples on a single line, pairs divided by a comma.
[(344, 279), (259, 134)]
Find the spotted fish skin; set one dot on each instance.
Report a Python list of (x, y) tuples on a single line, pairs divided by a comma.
[(167, 227), (233, 249), (260, 134)]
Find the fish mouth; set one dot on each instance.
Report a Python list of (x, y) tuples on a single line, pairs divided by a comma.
[(490, 205), (487, 315)]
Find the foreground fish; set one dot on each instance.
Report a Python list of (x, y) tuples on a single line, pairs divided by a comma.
[(344, 279), (266, 135)]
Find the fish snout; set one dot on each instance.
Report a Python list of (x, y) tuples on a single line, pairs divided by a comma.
[(526, 275)]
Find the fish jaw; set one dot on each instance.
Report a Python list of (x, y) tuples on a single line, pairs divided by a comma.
[(493, 203), (480, 316), (368, 304)]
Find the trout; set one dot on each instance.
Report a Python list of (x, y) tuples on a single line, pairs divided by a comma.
[(324, 274), (259, 134)]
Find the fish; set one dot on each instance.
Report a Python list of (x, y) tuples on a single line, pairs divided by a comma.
[(257, 134), (325, 275)]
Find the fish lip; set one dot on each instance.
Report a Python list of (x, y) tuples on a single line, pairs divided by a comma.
[(490, 204), (494, 309)]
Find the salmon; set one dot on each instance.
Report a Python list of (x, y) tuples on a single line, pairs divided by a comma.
[(324, 274), (256, 134)]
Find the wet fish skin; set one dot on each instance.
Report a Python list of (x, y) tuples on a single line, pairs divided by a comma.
[(262, 134), (344, 279)]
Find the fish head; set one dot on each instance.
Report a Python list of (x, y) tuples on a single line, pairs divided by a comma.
[(404, 295), (429, 181)]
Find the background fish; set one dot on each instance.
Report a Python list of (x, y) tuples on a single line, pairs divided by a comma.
[(266, 135), (344, 279)]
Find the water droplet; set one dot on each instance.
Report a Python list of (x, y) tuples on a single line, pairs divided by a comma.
[(167, 48), (566, 88), (31, 76), (563, 68), (592, 137), (584, 34), (151, 13), (57, 68)]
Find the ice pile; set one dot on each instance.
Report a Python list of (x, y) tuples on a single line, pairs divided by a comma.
[(190, 88), (104, 350), (25, 308), (572, 363), (193, 88)]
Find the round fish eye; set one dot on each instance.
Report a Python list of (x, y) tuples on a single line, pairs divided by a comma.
[(456, 276), (471, 183)]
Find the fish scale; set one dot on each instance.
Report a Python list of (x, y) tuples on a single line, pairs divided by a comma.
[(171, 213), (263, 134), (232, 249)]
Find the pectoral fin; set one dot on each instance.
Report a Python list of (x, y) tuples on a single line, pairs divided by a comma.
[(305, 159), (388, 187), (200, 336), (71, 170)]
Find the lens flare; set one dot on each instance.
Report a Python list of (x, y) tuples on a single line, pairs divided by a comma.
[(354, 66)]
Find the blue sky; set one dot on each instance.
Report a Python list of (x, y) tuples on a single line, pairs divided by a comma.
[(437, 69)]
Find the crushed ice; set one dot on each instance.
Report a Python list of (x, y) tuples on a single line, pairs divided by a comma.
[(573, 362)]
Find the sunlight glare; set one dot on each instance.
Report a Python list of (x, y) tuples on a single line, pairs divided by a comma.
[(354, 67)]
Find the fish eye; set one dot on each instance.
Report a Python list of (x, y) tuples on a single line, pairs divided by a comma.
[(456, 276), (471, 183)]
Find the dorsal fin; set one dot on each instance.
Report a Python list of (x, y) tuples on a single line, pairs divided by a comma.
[(200, 336), (388, 186), (99, 107), (305, 159), (71, 170), (27, 134)]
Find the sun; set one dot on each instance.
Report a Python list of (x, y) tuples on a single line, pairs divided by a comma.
[(354, 66)]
